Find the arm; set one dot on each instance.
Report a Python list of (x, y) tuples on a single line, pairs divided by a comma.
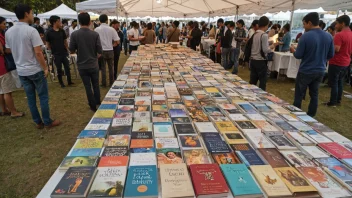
[(36, 44), (98, 47), (332, 49), (48, 46), (66, 44), (337, 42), (73, 44), (116, 38), (300, 51), (265, 44), (40, 57)]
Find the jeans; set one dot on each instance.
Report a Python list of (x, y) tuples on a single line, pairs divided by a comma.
[(60, 60), (37, 83), (117, 52), (90, 78), (311, 81), (259, 69), (133, 47), (108, 58), (125, 44), (336, 79), (225, 57), (235, 53)]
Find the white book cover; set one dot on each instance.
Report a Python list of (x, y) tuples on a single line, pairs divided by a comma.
[(238, 117), (142, 159), (314, 152), (300, 126), (141, 116), (316, 137), (142, 126), (163, 130), (265, 126), (336, 137), (280, 141), (299, 138), (121, 122), (289, 117), (143, 100), (298, 158), (166, 143), (259, 140), (203, 127), (256, 116), (97, 127)]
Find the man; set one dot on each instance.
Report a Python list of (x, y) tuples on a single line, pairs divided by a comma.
[(226, 41), (315, 47), (260, 49), (37, 26), (25, 44), (240, 37), (174, 34), (117, 49), (64, 27), (109, 39), (73, 27), (339, 64), (254, 28), (133, 36), (88, 47), (56, 41), (163, 32), (233, 44)]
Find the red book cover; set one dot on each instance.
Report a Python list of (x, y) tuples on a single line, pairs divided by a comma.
[(113, 161), (336, 150), (207, 179)]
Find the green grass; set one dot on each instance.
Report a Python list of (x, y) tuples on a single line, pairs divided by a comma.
[(29, 156)]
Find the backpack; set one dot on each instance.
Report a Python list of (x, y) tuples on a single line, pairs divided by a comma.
[(248, 49)]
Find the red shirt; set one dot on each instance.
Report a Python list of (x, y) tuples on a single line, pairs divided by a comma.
[(344, 40), (2, 58)]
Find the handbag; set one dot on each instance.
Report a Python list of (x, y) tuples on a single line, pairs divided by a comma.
[(270, 56), (10, 64)]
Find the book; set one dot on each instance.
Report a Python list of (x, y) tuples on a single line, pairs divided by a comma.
[(190, 142), (141, 116), (204, 127), (142, 135), (296, 183), (141, 108), (186, 128), (175, 181), (123, 115), (208, 181), (109, 182), (177, 113), (299, 139), (300, 126), (249, 157), (142, 143), (336, 137), (75, 182), (120, 130), (256, 116), (118, 140), (265, 126), (285, 126), (89, 143), (336, 150), (159, 116), (163, 129), (196, 156), (246, 126), (325, 185), (270, 182), (226, 158), (111, 161), (142, 150), (85, 152), (317, 126), (104, 113), (126, 101), (166, 143), (169, 156), (121, 122), (297, 158), (180, 120), (226, 127), (142, 159), (240, 181), (306, 118), (280, 141), (316, 137), (258, 140), (273, 157), (313, 152), (92, 134), (77, 161), (142, 181), (142, 126), (234, 138), (115, 151)]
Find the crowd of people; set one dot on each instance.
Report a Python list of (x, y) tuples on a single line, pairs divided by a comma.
[(99, 44)]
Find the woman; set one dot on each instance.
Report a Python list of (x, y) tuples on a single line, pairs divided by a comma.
[(174, 35), (7, 83), (149, 35), (195, 35), (286, 40)]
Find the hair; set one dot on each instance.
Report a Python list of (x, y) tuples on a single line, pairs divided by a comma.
[(64, 21), (74, 21), (190, 23), (255, 22), (287, 27), (149, 26), (322, 25), (279, 26), (84, 18), (270, 23), (220, 20), (241, 22), (312, 17), (332, 27), (274, 27), (169, 152), (263, 21), (53, 19), (351, 26), (36, 19), (113, 22), (344, 19), (103, 18), (21, 9), (2, 19), (226, 23), (176, 23), (231, 24), (163, 23), (10, 24), (195, 24)]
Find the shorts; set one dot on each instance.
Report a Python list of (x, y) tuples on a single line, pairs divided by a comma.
[(7, 83)]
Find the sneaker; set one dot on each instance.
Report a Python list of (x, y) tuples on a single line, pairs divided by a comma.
[(94, 109), (329, 104), (40, 126), (53, 124), (63, 86)]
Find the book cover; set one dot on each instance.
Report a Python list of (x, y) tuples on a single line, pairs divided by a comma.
[(92, 134), (280, 141), (85, 152), (196, 156), (216, 145), (297, 158), (336, 150), (141, 135), (186, 128), (238, 117), (212, 110), (142, 126), (115, 151), (142, 143), (240, 180), (313, 152), (177, 113), (104, 113), (76, 161), (285, 126), (295, 182), (166, 143), (120, 130), (203, 127), (169, 156), (300, 126), (160, 107), (299, 138), (113, 161), (226, 127), (142, 181), (270, 182), (265, 126), (109, 182), (258, 140), (163, 129), (118, 140), (142, 159), (190, 142), (226, 158), (180, 120), (126, 115), (249, 157), (89, 143), (142, 150), (175, 181), (159, 116), (208, 180), (121, 122), (306, 118), (336, 137), (273, 157), (141, 108), (126, 101), (241, 147), (75, 182), (234, 138), (141, 116), (316, 137)]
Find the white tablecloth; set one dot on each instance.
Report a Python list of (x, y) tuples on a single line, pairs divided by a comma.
[(286, 61), (207, 43)]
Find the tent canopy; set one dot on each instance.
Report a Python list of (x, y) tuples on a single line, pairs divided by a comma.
[(205, 8), (62, 11), (7, 14)]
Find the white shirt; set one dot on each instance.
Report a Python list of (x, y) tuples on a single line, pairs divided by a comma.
[(234, 42), (251, 32), (135, 33), (71, 30), (107, 36)]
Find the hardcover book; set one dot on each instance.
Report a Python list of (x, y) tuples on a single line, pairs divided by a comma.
[(77, 161), (196, 156), (142, 143), (190, 142), (92, 134), (169, 156), (297, 158), (163, 129), (115, 151), (336, 150), (226, 158), (249, 157), (142, 181), (273, 157), (142, 159), (186, 129), (89, 143), (113, 161), (118, 140), (166, 143), (234, 138)]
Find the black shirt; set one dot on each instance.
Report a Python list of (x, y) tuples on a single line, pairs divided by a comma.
[(56, 40), (39, 29)]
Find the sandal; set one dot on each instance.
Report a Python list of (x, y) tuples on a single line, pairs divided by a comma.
[(5, 114), (18, 116)]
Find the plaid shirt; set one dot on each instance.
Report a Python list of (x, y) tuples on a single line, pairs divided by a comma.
[(239, 35)]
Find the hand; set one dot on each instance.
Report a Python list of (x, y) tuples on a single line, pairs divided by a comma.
[(292, 49), (46, 73)]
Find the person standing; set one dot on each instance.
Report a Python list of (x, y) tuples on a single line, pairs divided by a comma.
[(125, 37), (254, 28), (56, 41), (314, 48), (240, 37), (109, 39), (174, 34), (286, 40), (226, 45), (37, 26), (73, 27), (86, 43), (133, 36), (339, 64), (25, 44), (117, 49), (149, 35), (65, 27), (7, 84), (259, 51), (163, 32)]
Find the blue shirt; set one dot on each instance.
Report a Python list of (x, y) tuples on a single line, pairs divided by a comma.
[(286, 40), (124, 30), (315, 48)]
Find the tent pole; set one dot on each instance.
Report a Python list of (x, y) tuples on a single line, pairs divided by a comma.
[(338, 11), (237, 7), (292, 11), (209, 19)]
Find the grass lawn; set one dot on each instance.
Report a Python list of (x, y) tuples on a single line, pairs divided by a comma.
[(29, 156)]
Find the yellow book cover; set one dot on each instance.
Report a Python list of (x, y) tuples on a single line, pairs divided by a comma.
[(234, 138), (212, 90), (104, 113), (294, 180), (226, 127), (89, 143), (270, 182)]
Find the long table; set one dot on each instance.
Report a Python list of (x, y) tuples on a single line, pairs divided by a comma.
[(285, 61)]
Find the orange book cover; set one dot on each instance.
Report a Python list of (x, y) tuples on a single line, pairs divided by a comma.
[(113, 161), (142, 143)]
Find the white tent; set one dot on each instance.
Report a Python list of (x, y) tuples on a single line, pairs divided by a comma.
[(108, 7), (7, 14), (62, 11)]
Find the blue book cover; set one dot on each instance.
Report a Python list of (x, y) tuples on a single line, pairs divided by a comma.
[(338, 169), (213, 136), (108, 106), (142, 181), (101, 121), (240, 180), (217, 146), (92, 134), (248, 108), (142, 150), (86, 152), (250, 157)]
